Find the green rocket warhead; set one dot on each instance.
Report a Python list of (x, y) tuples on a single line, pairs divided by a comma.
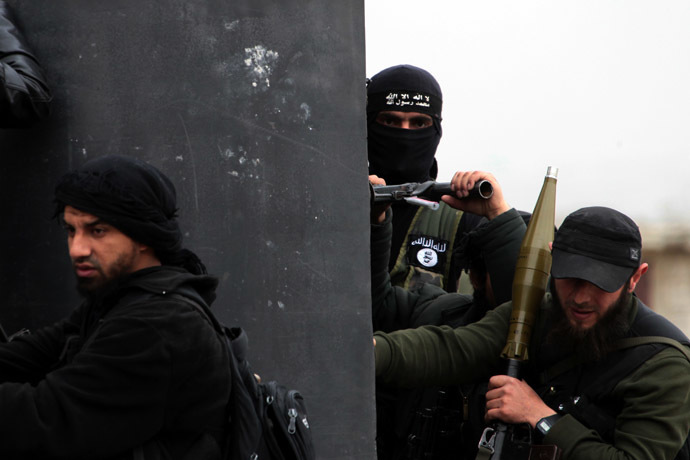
[(532, 270)]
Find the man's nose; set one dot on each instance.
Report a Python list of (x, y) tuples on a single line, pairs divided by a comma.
[(584, 292), (79, 247)]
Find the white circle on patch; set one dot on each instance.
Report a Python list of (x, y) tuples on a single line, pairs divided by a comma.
[(427, 257)]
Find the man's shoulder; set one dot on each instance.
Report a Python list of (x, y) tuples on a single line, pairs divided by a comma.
[(157, 294), (158, 282), (166, 319), (166, 278), (668, 367), (675, 353), (649, 323)]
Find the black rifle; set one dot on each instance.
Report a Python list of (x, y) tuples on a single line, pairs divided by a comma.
[(427, 193)]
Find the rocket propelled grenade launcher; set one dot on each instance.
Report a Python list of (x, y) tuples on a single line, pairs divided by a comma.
[(511, 442), (427, 193), (531, 272)]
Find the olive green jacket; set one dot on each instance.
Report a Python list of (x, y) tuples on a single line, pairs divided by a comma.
[(654, 420)]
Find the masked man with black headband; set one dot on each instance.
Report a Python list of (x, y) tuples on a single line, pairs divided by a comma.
[(135, 371), (404, 105), (404, 129)]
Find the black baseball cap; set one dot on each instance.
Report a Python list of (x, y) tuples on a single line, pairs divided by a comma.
[(599, 245)]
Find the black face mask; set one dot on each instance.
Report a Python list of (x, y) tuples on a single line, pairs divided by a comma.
[(402, 155)]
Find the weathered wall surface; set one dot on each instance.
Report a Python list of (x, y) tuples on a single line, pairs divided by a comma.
[(255, 109)]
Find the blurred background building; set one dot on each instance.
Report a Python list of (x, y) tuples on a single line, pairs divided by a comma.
[(666, 286)]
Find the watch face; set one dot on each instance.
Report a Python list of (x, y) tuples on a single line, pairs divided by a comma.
[(543, 426)]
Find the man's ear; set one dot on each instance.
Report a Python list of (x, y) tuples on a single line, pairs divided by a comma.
[(635, 278), (148, 254), (142, 248)]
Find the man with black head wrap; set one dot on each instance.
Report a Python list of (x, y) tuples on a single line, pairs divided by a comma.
[(135, 371), (404, 105)]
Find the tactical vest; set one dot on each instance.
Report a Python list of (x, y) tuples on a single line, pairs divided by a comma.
[(583, 389), (426, 253)]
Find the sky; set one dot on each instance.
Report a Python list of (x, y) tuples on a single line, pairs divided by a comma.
[(599, 89)]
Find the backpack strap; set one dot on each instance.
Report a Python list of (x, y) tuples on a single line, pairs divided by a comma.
[(635, 341), (239, 341), (629, 342), (192, 297), (245, 408)]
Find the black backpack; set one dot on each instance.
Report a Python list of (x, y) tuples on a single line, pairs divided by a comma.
[(267, 421)]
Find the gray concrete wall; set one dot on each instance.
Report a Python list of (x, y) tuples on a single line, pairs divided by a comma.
[(255, 109)]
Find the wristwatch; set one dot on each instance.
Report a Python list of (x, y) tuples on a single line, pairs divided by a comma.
[(544, 425)]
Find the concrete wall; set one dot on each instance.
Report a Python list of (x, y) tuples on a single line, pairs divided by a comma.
[(255, 109)]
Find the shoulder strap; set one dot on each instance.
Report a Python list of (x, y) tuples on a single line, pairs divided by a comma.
[(629, 342), (238, 339), (192, 297), (245, 407)]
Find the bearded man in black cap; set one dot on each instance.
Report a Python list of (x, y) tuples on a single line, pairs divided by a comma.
[(607, 377), (404, 105), (136, 371)]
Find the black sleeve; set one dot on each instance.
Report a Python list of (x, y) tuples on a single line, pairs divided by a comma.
[(24, 94), (393, 307), (468, 222), (29, 357), (500, 242)]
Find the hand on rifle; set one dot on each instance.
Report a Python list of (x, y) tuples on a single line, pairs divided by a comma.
[(513, 401), (378, 211), (463, 182)]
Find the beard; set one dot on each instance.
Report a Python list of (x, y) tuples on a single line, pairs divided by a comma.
[(596, 341), (107, 279)]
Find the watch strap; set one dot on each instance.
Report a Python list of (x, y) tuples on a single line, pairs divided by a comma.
[(544, 424)]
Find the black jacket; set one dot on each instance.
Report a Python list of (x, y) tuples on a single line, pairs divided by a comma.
[(139, 367), (24, 94)]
